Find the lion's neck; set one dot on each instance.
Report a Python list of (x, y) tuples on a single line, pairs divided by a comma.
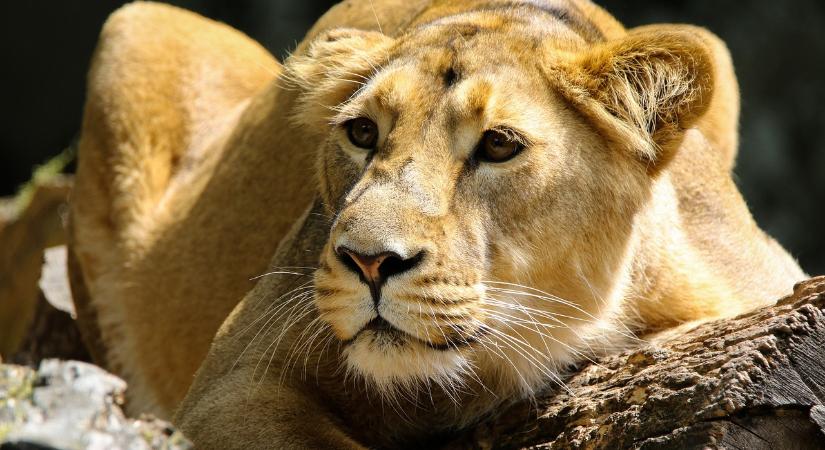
[(672, 282)]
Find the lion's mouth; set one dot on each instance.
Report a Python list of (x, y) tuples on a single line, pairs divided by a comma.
[(390, 333), (383, 329), (380, 324)]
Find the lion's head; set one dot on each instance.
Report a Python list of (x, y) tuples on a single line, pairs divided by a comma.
[(481, 174)]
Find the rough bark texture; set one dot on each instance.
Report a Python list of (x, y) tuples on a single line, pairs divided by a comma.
[(756, 381)]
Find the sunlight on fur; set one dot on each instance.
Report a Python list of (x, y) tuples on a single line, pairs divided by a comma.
[(443, 214)]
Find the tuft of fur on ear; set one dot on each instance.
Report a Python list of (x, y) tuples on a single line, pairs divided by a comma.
[(642, 90), (337, 63)]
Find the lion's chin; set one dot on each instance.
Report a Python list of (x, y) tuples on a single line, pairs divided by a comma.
[(391, 360)]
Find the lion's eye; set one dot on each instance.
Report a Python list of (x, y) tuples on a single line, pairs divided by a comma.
[(496, 146), (362, 132)]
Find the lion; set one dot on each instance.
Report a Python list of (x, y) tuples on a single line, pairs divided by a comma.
[(464, 199)]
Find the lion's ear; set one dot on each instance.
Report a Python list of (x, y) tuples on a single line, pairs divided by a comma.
[(643, 90), (334, 66)]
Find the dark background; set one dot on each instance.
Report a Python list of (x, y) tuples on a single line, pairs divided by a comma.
[(778, 49)]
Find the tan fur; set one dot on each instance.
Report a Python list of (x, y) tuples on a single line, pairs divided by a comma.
[(619, 217)]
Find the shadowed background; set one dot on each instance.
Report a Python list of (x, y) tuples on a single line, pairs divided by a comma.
[(778, 49)]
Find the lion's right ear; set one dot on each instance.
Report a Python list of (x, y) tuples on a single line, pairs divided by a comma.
[(335, 65), (642, 91)]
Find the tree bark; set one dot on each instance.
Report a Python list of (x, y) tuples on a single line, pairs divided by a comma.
[(755, 381)]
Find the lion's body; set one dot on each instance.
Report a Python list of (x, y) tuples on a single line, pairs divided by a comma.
[(194, 165)]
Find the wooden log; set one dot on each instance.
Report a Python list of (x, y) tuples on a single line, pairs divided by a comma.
[(752, 382)]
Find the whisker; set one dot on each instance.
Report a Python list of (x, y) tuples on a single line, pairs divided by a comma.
[(471, 367), (521, 347), (276, 304), (541, 295), (307, 309), (330, 338), (543, 335), (279, 272), (627, 334), (276, 342), (299, 299), (297, 346), (376, 17)]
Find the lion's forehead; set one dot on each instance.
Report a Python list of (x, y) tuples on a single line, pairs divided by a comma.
[(539, 19), (492, 78), (413, 92)]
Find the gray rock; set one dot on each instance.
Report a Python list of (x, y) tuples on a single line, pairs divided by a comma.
[(73, 405), (54, 280)]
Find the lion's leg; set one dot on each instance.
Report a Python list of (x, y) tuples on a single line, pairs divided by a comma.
[(252, 391), (176, 203), (246, 407), (230, 417), (188, 177)]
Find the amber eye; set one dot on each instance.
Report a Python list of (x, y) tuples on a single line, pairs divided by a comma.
[(362, 132), (496, 146)]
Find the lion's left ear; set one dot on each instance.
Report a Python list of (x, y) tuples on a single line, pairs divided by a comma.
[(643, 90), (334, 66)]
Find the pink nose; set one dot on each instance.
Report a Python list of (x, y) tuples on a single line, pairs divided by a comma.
[(375, 269), (370, 264)]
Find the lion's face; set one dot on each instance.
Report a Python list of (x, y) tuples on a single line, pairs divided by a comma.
[(478, 221)]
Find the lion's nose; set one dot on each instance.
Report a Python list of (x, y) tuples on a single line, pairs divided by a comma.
[(375, 269)]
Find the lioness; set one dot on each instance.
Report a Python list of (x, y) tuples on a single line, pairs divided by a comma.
[(467, 197)]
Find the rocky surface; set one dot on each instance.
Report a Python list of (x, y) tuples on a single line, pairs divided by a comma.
[(73, 405)]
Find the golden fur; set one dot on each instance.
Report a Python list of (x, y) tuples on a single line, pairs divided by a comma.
[(200, 155)]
